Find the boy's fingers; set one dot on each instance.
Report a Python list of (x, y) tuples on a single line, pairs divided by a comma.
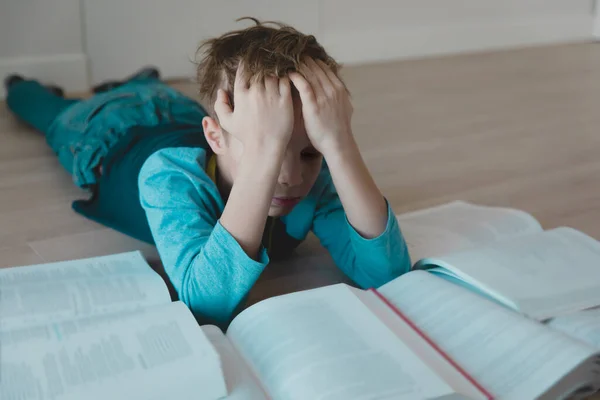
[(241, 79), (272, 84), (256, 85), (222, 106), (318, 72), (284, 87), (331, 75), (304, 87), (310, 76)]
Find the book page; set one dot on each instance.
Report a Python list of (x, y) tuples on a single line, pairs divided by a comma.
[(427, 351), (161, 353), (459, 225), (324, 344), (67, 328), (45, 293), (241, 382), (542, 275), (583, 325), (509, 355)]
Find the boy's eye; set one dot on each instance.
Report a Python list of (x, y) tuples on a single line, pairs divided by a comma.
[(309, 155)]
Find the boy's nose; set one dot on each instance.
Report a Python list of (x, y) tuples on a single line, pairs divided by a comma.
[(291, 174)]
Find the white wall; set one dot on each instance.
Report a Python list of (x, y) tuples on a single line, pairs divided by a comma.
[(597, 20), (43, 39), (377, 30), (167, 33)]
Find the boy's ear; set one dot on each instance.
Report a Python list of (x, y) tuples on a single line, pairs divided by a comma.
[(214, 135)]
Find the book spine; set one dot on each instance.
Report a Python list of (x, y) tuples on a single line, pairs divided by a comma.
[(434, 345)]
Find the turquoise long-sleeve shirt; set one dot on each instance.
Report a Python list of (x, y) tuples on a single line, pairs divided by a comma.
[(206, 265)]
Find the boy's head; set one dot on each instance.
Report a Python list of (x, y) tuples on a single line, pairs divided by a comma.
[(265, 49)]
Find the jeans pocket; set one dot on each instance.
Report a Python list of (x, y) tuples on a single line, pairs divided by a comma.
[(112, 104)]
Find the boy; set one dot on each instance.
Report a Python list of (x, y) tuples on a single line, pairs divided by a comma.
[(223, 192)]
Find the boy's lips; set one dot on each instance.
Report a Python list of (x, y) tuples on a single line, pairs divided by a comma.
[(285, 201)]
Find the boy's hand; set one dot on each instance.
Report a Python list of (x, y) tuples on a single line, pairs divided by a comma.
[(327, 112), (263, 112), (326, 105), (263, 120)]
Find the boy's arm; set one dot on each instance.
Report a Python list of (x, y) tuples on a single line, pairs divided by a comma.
[(208, 268), (365, 206), (369, 262), (262, 121), (327, 112), (213, 261), (248, 204), (370, 249)]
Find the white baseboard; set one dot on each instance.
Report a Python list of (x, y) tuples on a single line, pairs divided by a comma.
[(597, 20), (66, 70), (363, 46)]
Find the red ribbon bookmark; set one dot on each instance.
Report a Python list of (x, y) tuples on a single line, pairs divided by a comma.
[(464, 373)]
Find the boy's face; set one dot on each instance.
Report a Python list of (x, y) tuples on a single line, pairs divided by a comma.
[(299, 171)]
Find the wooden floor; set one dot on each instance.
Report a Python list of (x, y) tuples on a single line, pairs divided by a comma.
[(516, 128)]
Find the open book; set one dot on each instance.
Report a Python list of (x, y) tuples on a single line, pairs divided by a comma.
[(106, 328), (101, 328), (506, 255)]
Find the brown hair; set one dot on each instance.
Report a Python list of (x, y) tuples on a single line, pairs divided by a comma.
[(263, 49)]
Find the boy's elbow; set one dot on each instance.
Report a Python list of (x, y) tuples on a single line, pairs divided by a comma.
[(377, 271), (400, 262), (210, 304), (404, 262), (212, 313), (212, 296)]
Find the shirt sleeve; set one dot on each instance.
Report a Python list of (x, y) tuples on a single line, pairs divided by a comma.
[(207, 267), (368, 262)]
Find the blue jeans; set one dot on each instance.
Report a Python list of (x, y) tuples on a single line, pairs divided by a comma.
[(81, 132), (36, 105)]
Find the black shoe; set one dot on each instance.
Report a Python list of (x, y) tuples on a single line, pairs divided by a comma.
[(11, 80), (57, 90), (144, 73), (106, 86)]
